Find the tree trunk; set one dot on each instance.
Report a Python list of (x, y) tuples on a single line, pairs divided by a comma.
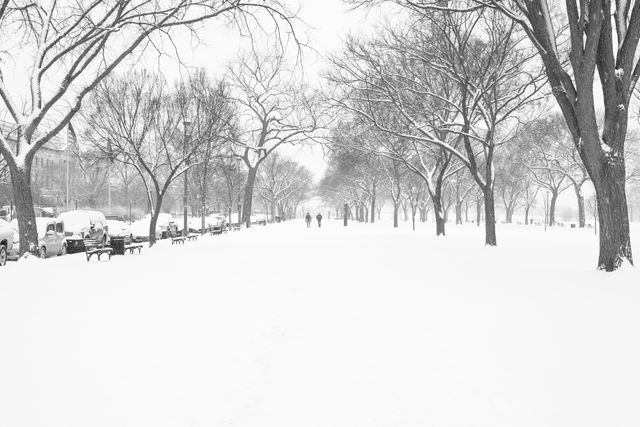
[(613, 217), (413, 217), (489, 217), (581, 213), (439, 215), (154, 219), (395, 214), (404, 211), (23, 198), (552, 209), (526, 215), (248, 196), (478, 211), (459, 213), (509, 215), (373, 204)]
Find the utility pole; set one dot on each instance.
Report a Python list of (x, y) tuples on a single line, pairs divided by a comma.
[(185, 229)]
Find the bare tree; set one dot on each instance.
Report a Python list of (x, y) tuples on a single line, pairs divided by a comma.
[(72, 48), (602, 39), (465, 76), (135, 120), (282, 183), (274, 109)]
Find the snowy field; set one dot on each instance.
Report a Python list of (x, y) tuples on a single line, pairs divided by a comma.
[(285, 326)]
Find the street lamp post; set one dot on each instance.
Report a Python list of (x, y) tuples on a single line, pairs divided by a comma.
[(184, 195)]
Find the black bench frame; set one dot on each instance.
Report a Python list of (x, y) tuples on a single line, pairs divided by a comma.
[(178, 240), (132, 247), (94, 247)]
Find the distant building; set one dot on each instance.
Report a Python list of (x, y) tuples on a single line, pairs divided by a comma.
[(52, 170)]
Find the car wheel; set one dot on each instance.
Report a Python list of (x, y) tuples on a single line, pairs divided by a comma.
[(64, 250), (3, 255), (43, 252)]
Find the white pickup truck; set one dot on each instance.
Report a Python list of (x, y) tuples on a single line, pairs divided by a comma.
[(6, 241)]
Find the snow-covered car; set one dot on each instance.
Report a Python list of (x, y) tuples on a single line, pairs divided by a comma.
[(167, 224), (6, 241), (216, 220), (120, 229), (260, 219), (51, 238), (140, 230), (165, 227), (80, 225), (195, 224)]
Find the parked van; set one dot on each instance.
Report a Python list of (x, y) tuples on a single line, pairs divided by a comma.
[(51, 238), (80, 225)]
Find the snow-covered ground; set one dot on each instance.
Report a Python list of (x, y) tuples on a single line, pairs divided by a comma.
[(286, 326)]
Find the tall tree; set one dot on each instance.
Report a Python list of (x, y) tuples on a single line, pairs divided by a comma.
[(135, 120), (274, 108), (602, 38), (70, 48)]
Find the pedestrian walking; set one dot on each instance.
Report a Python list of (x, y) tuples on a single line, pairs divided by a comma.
[(308, 219), (319, 218)]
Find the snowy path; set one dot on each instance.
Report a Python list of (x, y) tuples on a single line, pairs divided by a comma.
[(288, 327)]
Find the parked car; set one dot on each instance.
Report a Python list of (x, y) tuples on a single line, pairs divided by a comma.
[(165, 227), (260, 219), (82, 225), (167, 224), (6, 241), (51, 238), (119, 228)]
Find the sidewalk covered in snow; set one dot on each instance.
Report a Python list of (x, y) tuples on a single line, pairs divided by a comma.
[(286, 326)]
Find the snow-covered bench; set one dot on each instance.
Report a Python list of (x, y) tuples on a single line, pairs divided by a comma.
[(178, 240), (133, 247), (94, 247), (192, 236)]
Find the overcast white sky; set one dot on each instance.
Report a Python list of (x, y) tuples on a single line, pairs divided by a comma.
[(324, 23)]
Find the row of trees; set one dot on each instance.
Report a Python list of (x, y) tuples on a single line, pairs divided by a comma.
[(199, 131), (541, 163), (71, 51), (457, 82)]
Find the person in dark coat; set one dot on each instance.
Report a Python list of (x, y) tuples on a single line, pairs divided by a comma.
[(308, 219), (319, 218)]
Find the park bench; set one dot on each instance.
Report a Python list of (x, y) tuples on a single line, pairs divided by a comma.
[(94, 247), (192, 236), (215, 230), (235, 226), (133, 247), (178, 240)]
